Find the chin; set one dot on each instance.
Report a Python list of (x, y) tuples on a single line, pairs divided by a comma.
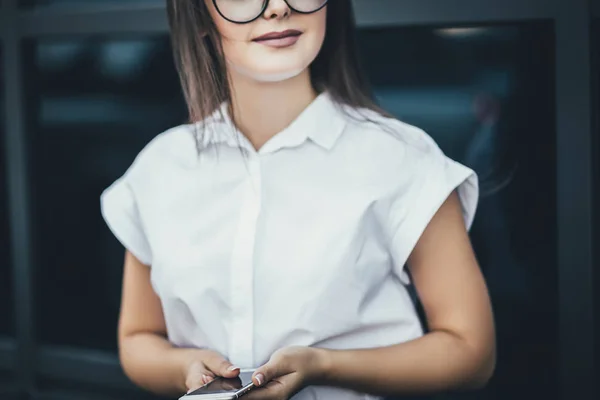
[(269, 75), (278, 76)]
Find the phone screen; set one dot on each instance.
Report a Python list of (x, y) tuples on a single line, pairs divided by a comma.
[(223, 385)]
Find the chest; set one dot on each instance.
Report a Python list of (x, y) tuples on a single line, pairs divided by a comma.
[(272, 224)]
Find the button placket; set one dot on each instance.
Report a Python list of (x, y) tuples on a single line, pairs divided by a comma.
[(242, 274)]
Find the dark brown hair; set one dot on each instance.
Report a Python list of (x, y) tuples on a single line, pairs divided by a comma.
[(203, 72)]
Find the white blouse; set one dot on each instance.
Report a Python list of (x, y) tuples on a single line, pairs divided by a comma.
[(303, 242)]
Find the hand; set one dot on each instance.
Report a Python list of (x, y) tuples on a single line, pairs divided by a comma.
[(206, 365), (287, 372)]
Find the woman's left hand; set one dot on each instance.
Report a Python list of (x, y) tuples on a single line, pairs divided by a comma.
[(287, 372)]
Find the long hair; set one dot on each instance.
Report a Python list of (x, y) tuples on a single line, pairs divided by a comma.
[(202, 68)]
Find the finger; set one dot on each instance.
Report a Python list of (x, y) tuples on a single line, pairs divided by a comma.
[(220, 366), (198, 378), (275, 368), (270, 391)]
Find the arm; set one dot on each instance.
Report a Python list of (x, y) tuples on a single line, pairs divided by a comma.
[(147, 357), (459, 351)]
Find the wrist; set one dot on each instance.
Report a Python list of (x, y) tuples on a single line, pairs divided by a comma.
[(323, 366)]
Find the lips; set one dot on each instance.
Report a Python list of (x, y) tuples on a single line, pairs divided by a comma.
[(278, 35)]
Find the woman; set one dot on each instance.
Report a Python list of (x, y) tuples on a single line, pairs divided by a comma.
[(272, 232)]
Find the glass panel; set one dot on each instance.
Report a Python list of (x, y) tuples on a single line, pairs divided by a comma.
[(486, 95), (97, 102), (6, 294), (67, 3), (7, 386)]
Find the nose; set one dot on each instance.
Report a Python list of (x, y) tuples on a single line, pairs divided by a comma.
[(277, 9)]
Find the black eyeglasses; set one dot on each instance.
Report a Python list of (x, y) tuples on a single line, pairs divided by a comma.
[(245, 11)]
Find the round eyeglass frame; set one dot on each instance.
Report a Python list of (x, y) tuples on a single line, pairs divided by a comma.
[(264, 7)]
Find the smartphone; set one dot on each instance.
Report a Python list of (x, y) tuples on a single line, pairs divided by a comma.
[(223, 388)]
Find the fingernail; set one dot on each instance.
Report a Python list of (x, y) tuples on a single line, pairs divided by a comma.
[(260, 378), (232, 368), (205, 378)]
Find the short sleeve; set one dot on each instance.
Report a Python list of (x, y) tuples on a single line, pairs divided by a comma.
[(121, 214), (428, 188)]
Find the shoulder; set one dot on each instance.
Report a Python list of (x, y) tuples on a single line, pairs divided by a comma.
[(388, 138), (418, 175), (173, 148)]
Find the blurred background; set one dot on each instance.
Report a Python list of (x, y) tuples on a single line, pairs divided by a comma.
[(507, 87)]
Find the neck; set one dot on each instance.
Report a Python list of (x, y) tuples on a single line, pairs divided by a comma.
[(263, 109)]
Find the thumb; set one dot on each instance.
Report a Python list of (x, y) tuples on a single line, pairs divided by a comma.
[(271, 370), (220, 366)]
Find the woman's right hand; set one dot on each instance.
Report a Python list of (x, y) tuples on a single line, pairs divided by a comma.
[(204, 366)]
